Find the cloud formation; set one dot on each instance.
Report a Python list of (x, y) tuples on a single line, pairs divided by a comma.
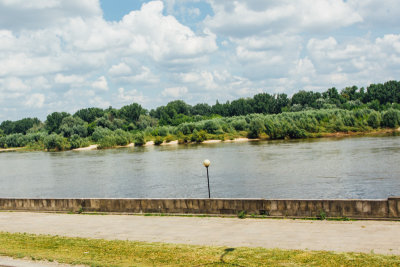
[(63, 55)]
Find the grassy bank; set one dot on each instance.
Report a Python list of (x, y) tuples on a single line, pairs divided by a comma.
[(97, 252)]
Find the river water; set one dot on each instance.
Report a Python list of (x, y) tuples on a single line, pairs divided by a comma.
[(327, 168)]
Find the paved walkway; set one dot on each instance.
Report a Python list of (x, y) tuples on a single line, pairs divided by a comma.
[(10, 262), (358, 236)]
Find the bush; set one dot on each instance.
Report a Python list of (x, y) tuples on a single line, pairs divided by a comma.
[(256, 128), (15, 140), (163, 131), (186, 128), (158, 141), (139, 139), (99, 133), (3, 143), (56, 142), (242, 214), (76, 141), (107, 141), (239, 125), (199, 136), (374, 120), (73, 125), (211, 126), (169, 138), (391, 118), (122, 138), (182, 139)]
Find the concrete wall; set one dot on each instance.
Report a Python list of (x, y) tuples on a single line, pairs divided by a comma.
[(352, 208)]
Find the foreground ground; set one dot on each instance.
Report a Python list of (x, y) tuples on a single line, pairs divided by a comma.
[(356, 236), (264, 239)]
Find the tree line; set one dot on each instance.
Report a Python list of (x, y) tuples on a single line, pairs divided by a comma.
[(275, 116)]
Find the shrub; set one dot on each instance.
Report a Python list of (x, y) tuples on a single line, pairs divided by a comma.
[(100, 133), (76, 141), (321, 215), (182, 139), (56, 142), (242, 214), (158, 141), (73, 125), (169, 138), (139, 139), (3, 143), (227, 128), (199, 136), (16, 140), (163, 131), (256, 128), (122, 138), (186, 128), (239, 125), (211, 126), (374, 120), (107, 141), (391, 118)]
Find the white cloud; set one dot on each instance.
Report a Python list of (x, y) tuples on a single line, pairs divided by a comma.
[(35, 101), (20, 15), (143, 75), (68, 79), (97, 101), (100, 83), (120, 69), (14, 84), (163, 37), (66, 51), (175, 92), (378, 14), (130, 96), (277, 16)]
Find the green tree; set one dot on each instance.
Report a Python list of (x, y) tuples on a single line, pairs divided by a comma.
[(391, 118), (89, 114), (54, 121), (211, 126), (241, 106), (131, 113), (73, 125), (305, 98), (202, 109), (56, 142)]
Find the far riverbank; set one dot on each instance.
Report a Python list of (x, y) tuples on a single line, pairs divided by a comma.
[(245, 139)]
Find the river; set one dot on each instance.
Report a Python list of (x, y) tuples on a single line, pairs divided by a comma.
[(326, 168)]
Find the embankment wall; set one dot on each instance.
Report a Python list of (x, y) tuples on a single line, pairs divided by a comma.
[(350, 208)]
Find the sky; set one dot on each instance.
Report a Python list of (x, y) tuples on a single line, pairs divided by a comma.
[(59, 55)]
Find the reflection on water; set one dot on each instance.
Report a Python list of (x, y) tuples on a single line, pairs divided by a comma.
[(362, 167)]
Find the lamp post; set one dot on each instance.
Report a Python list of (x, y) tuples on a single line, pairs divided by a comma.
[(207, 163)]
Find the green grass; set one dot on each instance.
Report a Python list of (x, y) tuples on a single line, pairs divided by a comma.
[(98, 252)]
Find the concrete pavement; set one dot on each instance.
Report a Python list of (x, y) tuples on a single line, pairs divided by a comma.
[(358, 236)]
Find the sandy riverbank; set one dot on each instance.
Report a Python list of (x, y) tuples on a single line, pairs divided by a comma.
[(91, 147), (9, 149), (175, 142)]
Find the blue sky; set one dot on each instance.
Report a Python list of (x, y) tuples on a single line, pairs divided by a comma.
[(65, 55)]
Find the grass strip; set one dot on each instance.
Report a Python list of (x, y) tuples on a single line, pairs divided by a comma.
[(99, 252)]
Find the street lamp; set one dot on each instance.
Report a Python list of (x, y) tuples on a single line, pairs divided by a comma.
[(207, 163)]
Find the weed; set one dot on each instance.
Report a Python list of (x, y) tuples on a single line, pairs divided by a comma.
[(242, 214), (80, 210), (321, 215)]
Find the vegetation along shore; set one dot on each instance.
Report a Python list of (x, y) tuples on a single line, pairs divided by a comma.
[(306, 114)]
